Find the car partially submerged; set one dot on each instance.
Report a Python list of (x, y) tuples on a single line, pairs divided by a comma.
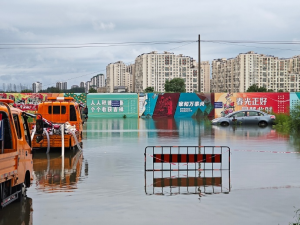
[(246, 117)]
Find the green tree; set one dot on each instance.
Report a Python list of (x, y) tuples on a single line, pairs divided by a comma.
[(76, 90), (262, 89), (280, 90), (175, 85), (255, 88), (92, 90), (149, 90), (295, 117), (26, 91), (50, 90)]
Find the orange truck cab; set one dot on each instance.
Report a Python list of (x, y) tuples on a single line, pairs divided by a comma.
[(16, 166), (60, 110)]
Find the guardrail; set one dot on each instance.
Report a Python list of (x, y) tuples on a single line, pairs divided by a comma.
[(187, 170)]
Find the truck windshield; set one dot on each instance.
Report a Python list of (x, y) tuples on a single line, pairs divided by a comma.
[(57, 110)]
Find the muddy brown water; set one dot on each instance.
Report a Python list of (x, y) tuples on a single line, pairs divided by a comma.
[(105, 183)]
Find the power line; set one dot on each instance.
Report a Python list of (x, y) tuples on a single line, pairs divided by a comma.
[(253, 42), (229, 43), (87, 45), (47, 85), (120, 44)]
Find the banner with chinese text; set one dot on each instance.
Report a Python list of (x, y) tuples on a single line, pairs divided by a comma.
[(30, 101), (277, 102), (194, 105), (112, 105), (166, 105)]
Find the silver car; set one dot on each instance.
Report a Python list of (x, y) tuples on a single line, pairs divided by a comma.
[(245, 117)]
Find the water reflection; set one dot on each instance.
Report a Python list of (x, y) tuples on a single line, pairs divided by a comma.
[(17, 213), (247, 132), (116, 186), (53, 175), (112, 128), (146, 127), (197, 182)]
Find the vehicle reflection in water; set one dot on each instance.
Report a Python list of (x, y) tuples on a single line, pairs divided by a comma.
[(51, 177), (192, 182), (247, 132), (17, 213)]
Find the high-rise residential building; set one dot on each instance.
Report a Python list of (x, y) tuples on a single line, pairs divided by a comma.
[(130, 78), (62, 85), (118, 75), (239, 73), (153, 69), (82, 85), (87, 86), (98, 81), (36, 87)]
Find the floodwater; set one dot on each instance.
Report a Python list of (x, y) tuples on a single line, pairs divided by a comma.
[(106, 183)]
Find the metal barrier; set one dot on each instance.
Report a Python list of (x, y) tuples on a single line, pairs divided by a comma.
[(187, 170), (180, 157)]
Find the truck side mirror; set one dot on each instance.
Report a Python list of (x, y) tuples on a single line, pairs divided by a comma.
[(39, 126)]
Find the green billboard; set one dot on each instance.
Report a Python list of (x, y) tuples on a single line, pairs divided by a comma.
[(112, 105)]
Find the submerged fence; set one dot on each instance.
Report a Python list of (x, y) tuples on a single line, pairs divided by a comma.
[(187, 169)]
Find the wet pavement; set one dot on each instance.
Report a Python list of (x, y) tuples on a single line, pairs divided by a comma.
[(106, 183)]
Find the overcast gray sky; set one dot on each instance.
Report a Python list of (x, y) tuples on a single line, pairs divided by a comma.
[(63, 23)]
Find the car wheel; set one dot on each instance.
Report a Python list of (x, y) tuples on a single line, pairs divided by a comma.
[(224, 124), (262, 124)]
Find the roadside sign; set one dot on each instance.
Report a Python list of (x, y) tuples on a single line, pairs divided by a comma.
[(218, 105)]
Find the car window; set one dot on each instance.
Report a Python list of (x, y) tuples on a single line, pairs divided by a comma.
[(239, 114), (252, 113), (260, 114)]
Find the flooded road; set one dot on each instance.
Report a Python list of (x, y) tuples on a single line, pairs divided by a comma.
[(105, 183)]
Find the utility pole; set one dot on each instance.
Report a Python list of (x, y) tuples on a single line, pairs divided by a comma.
[(199, 65), (199, 90)]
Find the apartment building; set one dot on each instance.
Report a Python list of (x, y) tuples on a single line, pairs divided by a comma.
[(239, 73), (87, 86), (36, 87), (82, 85), (118, 74), (62, 85), (98, 81), (153, 69), (130, 80)]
